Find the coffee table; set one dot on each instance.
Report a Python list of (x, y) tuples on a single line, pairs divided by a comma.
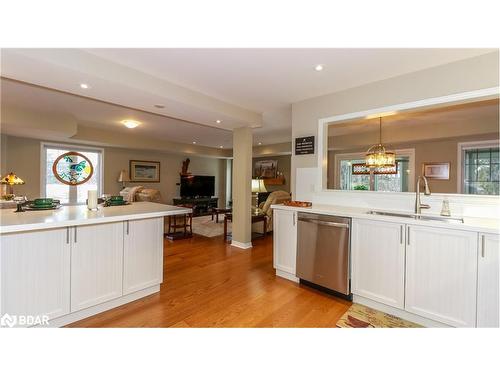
[(256, 217), (216, 211)]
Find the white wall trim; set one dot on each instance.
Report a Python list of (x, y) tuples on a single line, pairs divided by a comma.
[(322, 145), (241, 245)]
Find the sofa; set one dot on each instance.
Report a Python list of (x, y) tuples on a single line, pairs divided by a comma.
[(140, 194), (276, 197)]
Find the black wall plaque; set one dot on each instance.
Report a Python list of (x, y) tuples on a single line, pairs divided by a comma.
[(304, 145)]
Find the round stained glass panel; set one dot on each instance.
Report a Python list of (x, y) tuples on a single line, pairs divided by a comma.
[(73, 168)]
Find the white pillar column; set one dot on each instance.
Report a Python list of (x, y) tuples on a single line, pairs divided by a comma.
[(242, 188)]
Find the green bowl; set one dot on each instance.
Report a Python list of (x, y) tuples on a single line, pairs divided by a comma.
[(116, 198), (43, 201)]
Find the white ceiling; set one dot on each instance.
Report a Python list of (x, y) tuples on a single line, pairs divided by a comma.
[(106, 116), (243, 87), (267, 79)]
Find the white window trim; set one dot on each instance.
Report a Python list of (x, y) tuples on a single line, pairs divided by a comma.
[(74, 147), (464, 146), (410, 152)]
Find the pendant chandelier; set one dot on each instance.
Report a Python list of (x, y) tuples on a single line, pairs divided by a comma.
[(377, 156)]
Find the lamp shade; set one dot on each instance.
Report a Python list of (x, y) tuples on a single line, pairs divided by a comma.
[(11, 179), (258, 186), (123, 177)]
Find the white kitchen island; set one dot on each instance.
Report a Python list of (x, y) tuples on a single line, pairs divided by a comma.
[(68, 264)]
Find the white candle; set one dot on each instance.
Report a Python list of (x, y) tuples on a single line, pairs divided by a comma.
[(92, 199)]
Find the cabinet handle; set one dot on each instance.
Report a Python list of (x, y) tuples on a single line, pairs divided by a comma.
[(294, 222), (401, 235), (482, 246), (408, 235), (76, 231), (67, 235), (127, 227)]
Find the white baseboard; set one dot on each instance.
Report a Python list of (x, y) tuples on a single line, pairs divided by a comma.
[(287, 276), (399, 313), (241, 245), (85, 313)]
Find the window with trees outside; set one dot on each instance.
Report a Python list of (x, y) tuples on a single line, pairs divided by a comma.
[(480, 169), (381, 182)]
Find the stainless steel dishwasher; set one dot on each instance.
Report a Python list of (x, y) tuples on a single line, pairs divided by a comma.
[(323, 251)]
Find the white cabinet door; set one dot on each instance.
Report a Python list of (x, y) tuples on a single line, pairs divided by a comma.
[(378, 261), (96, 264), (441, 274), (487, 281), (35, 272), (143, 254), (285, 241)]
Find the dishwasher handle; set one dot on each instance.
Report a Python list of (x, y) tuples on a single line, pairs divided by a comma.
[(327, 223)]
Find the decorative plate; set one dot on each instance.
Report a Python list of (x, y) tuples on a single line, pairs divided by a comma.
[(32, 207), (73, 168)]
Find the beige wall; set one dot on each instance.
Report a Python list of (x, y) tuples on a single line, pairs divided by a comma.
[(426, 151), (284, 164), (22, 155), (461, 76)]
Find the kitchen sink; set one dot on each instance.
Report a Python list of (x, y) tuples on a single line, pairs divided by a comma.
[(443, 219)]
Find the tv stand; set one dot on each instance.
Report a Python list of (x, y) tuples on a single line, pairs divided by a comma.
[(201, 206)]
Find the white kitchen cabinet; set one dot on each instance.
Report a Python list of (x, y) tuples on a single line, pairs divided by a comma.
[(143, 254), (96, 264), (441, 274), (35, 273), (488, 281), (378, 261), (285, 243)]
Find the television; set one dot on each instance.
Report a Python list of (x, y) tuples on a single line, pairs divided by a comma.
[(197, 186)]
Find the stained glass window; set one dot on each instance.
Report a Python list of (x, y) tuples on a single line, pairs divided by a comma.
[(52, 187)]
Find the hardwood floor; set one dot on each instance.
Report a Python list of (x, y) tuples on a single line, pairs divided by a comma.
[(208, 283)]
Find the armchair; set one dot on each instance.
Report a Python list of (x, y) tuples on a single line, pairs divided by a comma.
[(276, 197)]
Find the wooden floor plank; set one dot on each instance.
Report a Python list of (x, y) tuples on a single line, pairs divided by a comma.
[(208, 283)]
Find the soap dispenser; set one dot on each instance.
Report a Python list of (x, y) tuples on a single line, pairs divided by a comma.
[(445, 208)]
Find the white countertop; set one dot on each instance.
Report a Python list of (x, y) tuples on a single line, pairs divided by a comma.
[(11, 221), (474, 224)]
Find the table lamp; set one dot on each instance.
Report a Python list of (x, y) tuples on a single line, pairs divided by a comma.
[(11, 179), (258, 186), (123, 177)]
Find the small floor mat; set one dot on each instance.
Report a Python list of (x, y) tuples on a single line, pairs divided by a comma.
[(359, 316)]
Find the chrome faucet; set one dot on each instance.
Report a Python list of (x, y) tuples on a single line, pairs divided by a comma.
[(418, 204)]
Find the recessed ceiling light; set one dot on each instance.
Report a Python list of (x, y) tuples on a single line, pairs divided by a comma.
[(159, 106), (194, 142), (130, 123), (260, 143), (218, 121), (84, 86), (318, 68)]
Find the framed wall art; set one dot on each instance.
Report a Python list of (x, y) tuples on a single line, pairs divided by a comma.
[(436, 171), (144, 171), (265, 169)]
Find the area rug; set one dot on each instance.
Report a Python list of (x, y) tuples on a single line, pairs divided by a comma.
[(359, 316), (205, 226)]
